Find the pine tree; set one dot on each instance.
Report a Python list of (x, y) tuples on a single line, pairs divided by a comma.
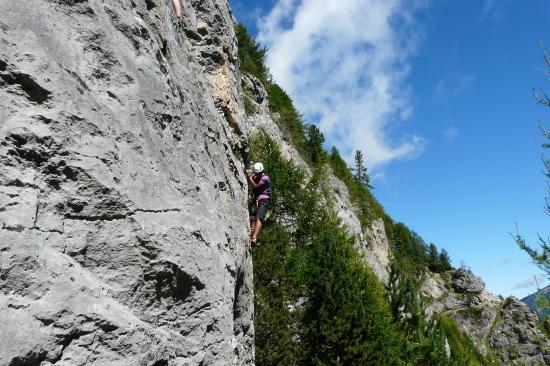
[(360, 171), (251, 54), (418, 249), (315, 301), (444, 261), (314, 145), (339, 166), (348, 321), (541, 257), (433, 259), (424, 339)]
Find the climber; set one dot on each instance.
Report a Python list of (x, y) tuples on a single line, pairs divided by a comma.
[(261, 199), (177, 8)]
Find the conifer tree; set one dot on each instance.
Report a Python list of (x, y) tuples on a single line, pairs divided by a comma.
[(424, 339), (433, 258), (360, 171), (338, 165), (418, 249), (348, 322), (251, 54), (542, 257), (314, 145), (316, 302), (444, 261)]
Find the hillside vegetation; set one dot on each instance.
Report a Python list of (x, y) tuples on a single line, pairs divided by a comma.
[(316, 301)]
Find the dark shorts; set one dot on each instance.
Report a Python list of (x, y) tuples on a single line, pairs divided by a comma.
[(258, 209)]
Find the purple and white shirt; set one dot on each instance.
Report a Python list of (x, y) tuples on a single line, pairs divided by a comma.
[(264, 191)]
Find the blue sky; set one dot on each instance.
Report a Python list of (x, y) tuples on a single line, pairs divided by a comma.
[(438, 95)]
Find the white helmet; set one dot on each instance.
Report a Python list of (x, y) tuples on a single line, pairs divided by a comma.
[(258, 168)]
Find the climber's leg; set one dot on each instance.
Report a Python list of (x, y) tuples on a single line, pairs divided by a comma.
[(261, 213), (177, 7), (252, 216), (252, 227), (257, 228)]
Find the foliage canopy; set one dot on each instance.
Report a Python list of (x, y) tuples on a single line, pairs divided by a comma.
[(316, 301)]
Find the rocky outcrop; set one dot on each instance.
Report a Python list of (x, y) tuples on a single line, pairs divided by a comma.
[(253, 88), (371, 242), (503, 329), (464, 282), (376, 250), (262, 120), (516, 336), (122, 200)]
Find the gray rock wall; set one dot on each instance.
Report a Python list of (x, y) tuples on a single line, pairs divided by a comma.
[(124, 235), (506, 330)]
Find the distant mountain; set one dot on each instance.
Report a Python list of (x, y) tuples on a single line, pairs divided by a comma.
[(530, 300)]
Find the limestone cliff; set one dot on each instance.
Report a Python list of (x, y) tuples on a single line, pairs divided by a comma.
[(505, 329), (123, 222), (122, 199)]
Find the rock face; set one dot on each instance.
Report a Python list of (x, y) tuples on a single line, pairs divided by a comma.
[(516, 336), (465, 282), (123, 221), (371, 242), (122, 200), (506, 330), (263, 120)]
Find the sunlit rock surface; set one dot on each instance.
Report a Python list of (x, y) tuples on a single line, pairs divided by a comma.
[(122, 199), (504, 329)]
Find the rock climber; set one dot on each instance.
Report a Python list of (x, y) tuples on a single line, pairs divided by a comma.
[(261, 199)]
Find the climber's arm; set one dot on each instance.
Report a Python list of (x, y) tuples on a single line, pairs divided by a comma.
[(252, 183)]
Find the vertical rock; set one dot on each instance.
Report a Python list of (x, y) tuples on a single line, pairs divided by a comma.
[(122, 200)]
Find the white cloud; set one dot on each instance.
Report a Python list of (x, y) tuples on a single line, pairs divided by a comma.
[(489, 7), (379, 176), (493, 9), (530, 283), (452, 85), (451, 133), (345, 62)]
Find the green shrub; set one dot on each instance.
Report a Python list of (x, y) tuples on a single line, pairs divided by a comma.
[(424, 337), (315, 300), (461, 345), (251, 54), (249, 106), (289, 119)]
